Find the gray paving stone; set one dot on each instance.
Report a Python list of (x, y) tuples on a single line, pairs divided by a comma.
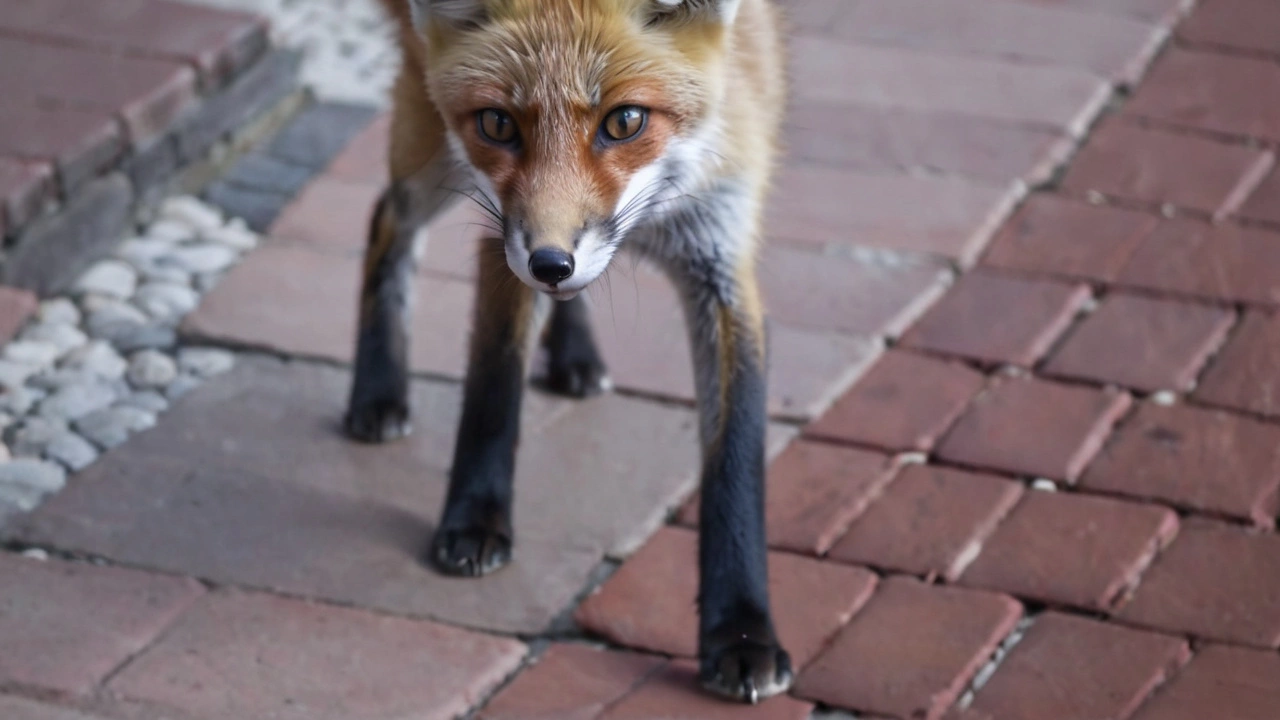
[(258, 208), (247, 97), (260, 172), (248, 481), (50, 254), (13, 707), (318, 133)]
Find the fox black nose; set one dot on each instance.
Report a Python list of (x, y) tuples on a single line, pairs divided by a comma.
[(550, 265)]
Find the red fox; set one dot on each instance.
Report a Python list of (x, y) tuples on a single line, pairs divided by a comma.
[(583, 127)]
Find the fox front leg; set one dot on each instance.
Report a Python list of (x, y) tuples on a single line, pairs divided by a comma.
[(739, 653), (378, 407), (475, 533)]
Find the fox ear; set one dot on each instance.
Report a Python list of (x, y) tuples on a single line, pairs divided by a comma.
[(720, 10), (460, 13)]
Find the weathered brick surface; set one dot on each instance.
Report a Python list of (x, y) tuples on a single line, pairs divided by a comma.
[(13, 707), (815, 490), (1212, 91), (1124, 160), (218, 42), (1215, 262), (823, 206), (1264, 203), (1071, 668), (1112, 47), (1077, 550), (910, 651), (1204, 460), (1143, 343), (905, 401), (290, 299), (674, 693), (1245, 374), (1061, 98), (1058, 235), (249, 655), (846, 295), (78, 144), (1035, 427), (1216, 582), (571, 682), (929, 521), (897, 140), (997, 319), (1220, 682), (66, 626), (650, 602), (1252, 25), (147, 94)]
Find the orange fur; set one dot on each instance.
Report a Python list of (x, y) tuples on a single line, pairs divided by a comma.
[(558, 67)]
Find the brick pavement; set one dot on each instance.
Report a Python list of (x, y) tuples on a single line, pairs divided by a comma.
[(1025, 441)]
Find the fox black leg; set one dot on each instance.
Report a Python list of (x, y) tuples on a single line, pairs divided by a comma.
[(378, 407), (574, 365), (739, 653), (475, 532)]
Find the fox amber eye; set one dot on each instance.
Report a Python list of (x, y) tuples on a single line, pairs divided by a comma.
[(625, 122), (497, 126)]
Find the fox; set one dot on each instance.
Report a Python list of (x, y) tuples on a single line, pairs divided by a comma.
[(582, 128)]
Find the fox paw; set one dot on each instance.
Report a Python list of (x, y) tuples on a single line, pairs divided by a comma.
[(378, 421), (470, 552), (746, 671)]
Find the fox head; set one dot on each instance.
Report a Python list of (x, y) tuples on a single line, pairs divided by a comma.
[(577, 118)]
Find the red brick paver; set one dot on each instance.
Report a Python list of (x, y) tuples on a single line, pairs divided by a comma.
[(218, 42), (1216, 582), (1071, 668), (1033, 427), (650, 602), (998, 319), (1071, 549), (243, 655), (905, 401), (66, 626), (570, 682), (1211, 91), (1126, 161), (815, 490), (1059, 235), (1222, 263), (929, 521), (1202, 459), (822, 206), (1246, 374), (910, 652), (673, 694), (1142, 343), (900, 172), (1220, 682), (1251, 25)]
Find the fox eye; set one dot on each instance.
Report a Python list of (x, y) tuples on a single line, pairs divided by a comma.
[(624, 123), (497, 126)]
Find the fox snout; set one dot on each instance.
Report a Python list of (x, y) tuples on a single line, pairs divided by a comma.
[(559, 261)]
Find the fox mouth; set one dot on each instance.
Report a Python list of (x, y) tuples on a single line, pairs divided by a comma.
[(562, 295)]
